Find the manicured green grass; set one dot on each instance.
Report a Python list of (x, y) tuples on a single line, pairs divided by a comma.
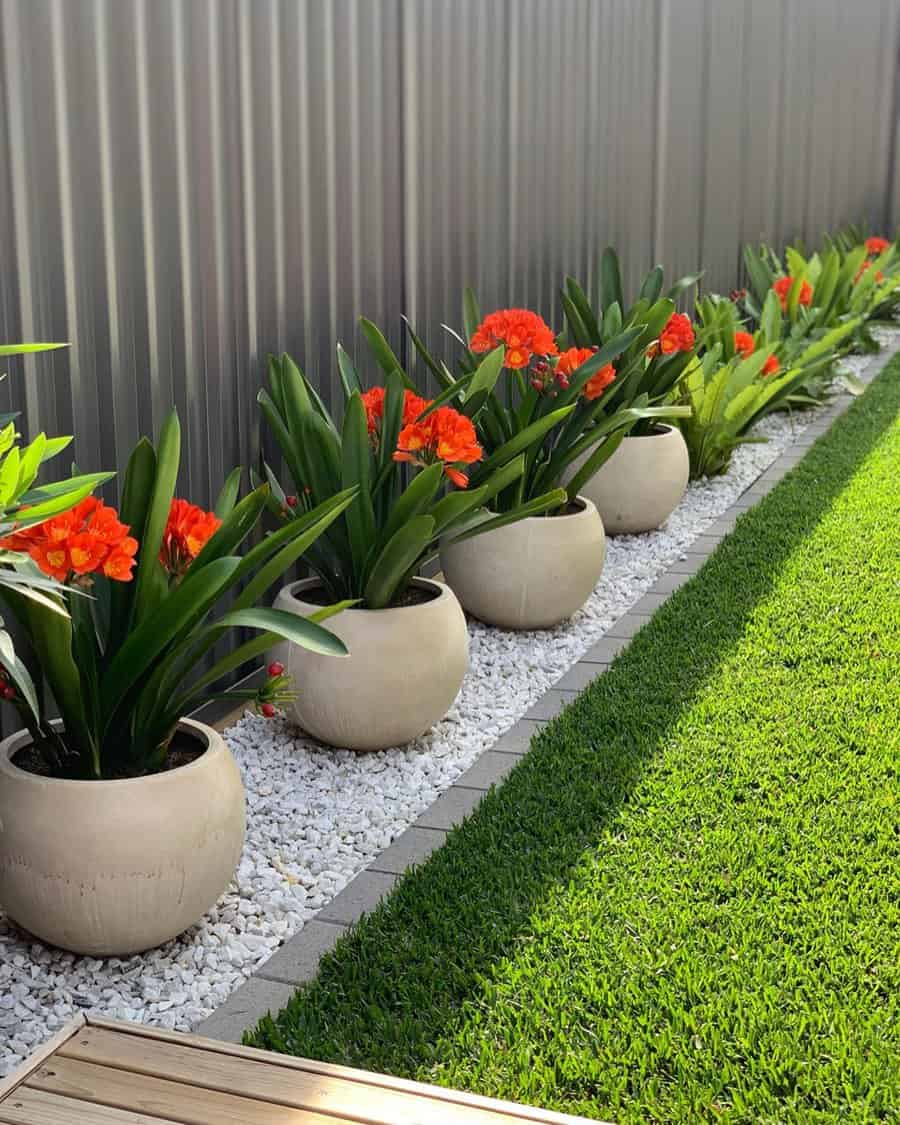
[(682, 906)]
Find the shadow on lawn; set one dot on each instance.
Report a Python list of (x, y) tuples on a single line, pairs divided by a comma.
[(391, 989)]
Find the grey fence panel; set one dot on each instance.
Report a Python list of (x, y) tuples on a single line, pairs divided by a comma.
[(762, 81), (724, 46), (456, 159), (186, 185), (681, 179)]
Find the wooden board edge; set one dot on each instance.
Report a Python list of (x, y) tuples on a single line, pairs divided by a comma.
[(530, 1115), (40, 1055)]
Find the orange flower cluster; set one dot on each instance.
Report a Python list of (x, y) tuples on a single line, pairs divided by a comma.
[(677, 336), (783, 286), (523, 333), (373, 401), (569, 362), (876, 245), (599, 381), (445, 436), (86, 539), (743, 343), (745, 346), (187, 531), (879, 276)]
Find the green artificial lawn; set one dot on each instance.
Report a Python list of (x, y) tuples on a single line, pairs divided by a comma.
[(682, 905)]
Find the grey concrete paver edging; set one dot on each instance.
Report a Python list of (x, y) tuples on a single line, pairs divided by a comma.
[(296, 963)]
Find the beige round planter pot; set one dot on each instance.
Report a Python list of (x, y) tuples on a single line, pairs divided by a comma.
[(116, 867), (531, 574), (641, 484), (405, 669)]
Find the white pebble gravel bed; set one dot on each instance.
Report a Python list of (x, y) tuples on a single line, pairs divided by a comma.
[(316, 816)]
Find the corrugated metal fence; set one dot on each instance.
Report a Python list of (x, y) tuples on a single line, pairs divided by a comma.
[(186, 185)]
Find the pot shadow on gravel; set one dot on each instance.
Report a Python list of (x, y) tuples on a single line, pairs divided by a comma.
[(395, 985)]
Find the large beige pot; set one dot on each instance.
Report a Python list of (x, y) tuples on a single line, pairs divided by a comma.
[(405, 669), (116, 867), (643, 482), (531, 574)]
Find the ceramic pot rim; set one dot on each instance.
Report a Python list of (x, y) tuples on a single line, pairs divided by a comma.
[(665, 427), (16, 741), (585, 508), (444, 593)]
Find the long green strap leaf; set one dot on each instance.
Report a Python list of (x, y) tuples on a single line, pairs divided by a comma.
[(471, 313), (356, 473), (174, 618), (520, 442), (577, 327), (413, 501), (72, 493), (228, 494), (28, 349), (18, 673), (349, 377), (579, 299), (289, 626), (273, 558), (455, 505), (398, 556), (651, 286), (382, 351), (168, 456), (599, 457), (439, 372), (233, 530), (536, 507), (282, 434), (51, 637), (610, 280)]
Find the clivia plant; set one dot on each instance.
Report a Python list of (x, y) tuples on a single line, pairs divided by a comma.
[(646, 374), (739, 377), (552, 404), (548, 401), (25, 504), (417, 465), (126, 663), (820, 291)]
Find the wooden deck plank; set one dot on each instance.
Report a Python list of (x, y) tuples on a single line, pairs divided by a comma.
[(520, 1113), (103, 1072), (159, 1097), (37, 1107), (34, 1060), (180, 1062)]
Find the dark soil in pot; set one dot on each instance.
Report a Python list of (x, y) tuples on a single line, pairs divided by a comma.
[(412, 595), (37, 758)]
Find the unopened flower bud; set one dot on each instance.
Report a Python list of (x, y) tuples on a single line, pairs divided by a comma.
[(8, 692), (563, 381), (291, 501), (537, 384), (268, 710), (542, 367), (276, 668)]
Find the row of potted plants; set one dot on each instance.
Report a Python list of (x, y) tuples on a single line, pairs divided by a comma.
[(121, 819)]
